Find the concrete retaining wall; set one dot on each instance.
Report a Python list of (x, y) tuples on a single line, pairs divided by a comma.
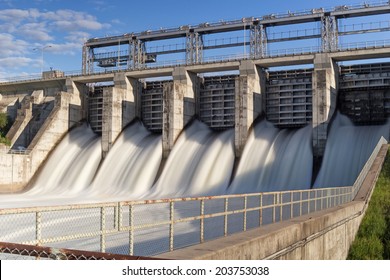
[(323, 235), (16, 170)]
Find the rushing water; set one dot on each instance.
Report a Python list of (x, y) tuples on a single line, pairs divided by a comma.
[(347, 149), (131, 166), (200, 163), (275, 159)]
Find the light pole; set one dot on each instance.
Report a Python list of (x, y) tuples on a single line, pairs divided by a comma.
[(42, 49)]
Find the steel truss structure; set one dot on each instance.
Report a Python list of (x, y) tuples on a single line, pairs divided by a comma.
[(132, 52)]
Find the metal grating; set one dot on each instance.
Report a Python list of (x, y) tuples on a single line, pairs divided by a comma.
[(364, 92), (289, 98), (217, 101), (95, 109), (152, 105)]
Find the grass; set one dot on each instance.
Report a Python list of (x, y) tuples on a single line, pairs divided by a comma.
[(373, 238)]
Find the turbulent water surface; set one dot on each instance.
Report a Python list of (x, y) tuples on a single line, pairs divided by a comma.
[(200, 163)]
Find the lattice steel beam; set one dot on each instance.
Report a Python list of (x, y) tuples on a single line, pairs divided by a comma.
[(329, 33), (258, 41), (194, 48), (87, 60), (137, 54)]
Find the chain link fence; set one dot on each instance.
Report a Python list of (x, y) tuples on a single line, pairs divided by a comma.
[(13, 251)]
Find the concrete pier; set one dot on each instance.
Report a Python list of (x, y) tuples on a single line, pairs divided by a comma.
[(178, 105), (250, 93), (325, 86), (119, 108)]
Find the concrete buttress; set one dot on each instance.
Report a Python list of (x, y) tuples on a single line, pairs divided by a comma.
[(325, 84), (119, 108), (178, 105), (250, 89)]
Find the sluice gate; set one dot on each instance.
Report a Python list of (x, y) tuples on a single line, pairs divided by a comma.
[(95, 109), (289, 97), (152, 105), (364, 92), (217, 101)]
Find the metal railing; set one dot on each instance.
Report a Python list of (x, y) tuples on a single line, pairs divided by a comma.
[(151, 227), (19, 151)]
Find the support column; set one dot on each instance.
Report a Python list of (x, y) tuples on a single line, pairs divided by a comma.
[(178, 106), (130, 90), (325, 84), (77, 105), (249, 103), (119, 108)]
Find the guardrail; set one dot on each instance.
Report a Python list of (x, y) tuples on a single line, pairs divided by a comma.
[(151, 227), (19, 152)]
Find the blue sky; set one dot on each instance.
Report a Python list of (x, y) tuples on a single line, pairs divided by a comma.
[(28, 26)]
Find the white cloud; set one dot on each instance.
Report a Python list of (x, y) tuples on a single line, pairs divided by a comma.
[(66, 48), (77, 36), (22, 30), (70, 20), (11, 46), (22, 21), (35, 31), (16, 62), (13, 15)]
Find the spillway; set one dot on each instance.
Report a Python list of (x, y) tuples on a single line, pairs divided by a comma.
[(65, 175), (131, 166), (201, 163), (347, 150), (72, 165), (274, 160)]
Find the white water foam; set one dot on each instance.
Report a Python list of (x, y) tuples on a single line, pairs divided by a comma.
[(200, 163), (347, 150), (274, 159)]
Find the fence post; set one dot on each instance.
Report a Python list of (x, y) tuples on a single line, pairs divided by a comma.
[(327, 199), (38, 228), (225, 231), (261, 211), (281, 207), (300, 203), (245, 206), (103, 229), (273, 208), (131, 232), (291, 205), (116, 216), (202, 221), (120, 216), (171, 226)]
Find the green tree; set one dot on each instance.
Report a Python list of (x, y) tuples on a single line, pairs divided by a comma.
[(5, 125)]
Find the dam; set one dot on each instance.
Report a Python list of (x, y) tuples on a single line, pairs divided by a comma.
[(140, 156)]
